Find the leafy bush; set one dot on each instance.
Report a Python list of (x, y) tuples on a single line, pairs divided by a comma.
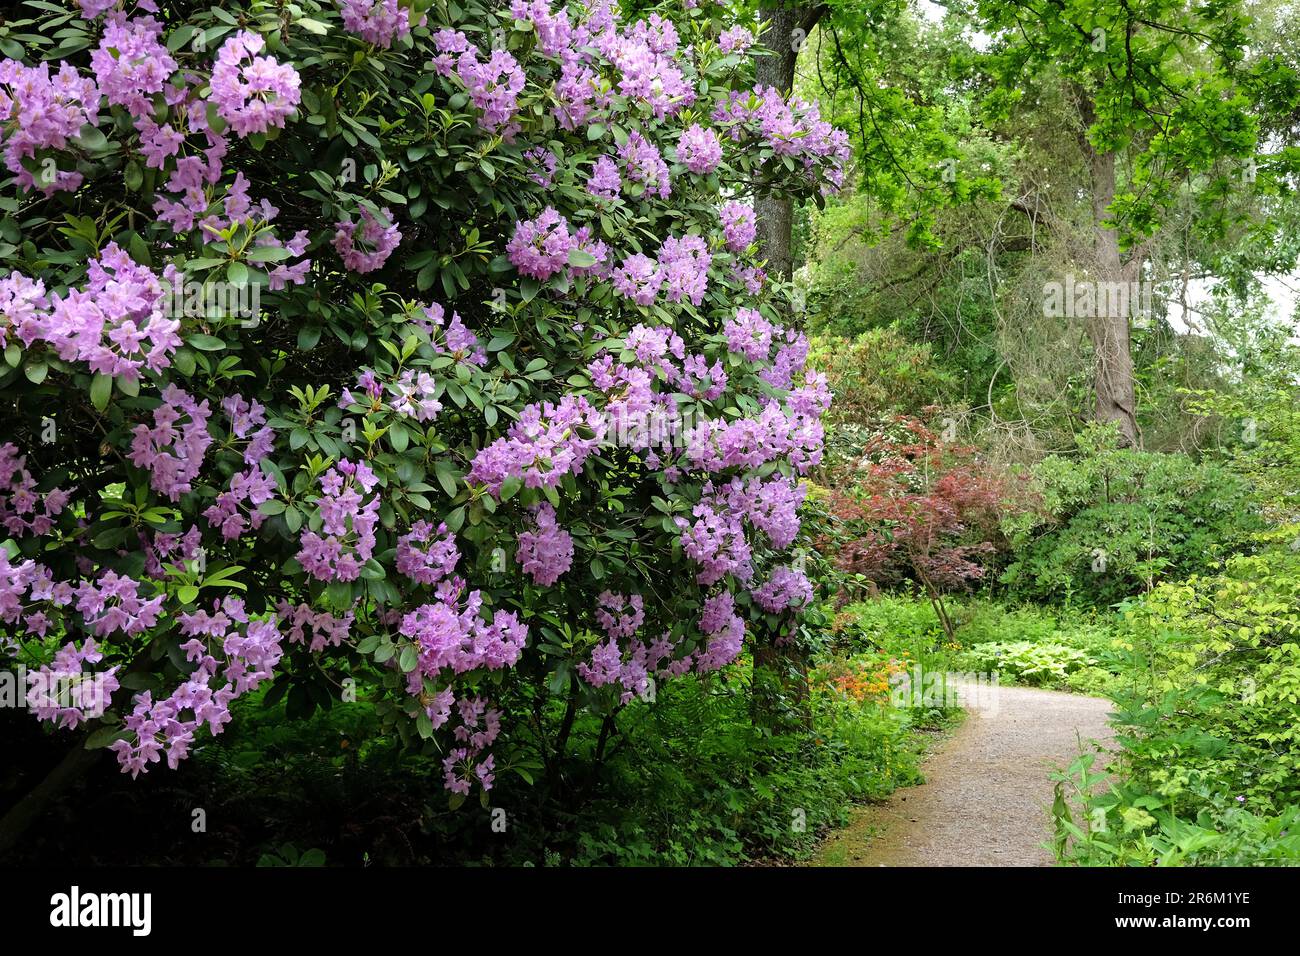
[(1026, 662), (384, 438), (893, 623), (918, 508), (878, 373), (1207, 723), (689, 780), (1114, 522)]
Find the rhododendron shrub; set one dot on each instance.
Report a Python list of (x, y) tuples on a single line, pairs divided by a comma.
[(399, 352)]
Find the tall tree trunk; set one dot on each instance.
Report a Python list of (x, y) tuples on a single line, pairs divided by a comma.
[(787, 27), (1108, 327)]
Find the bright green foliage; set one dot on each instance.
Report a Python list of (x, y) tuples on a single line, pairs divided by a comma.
[(1212, 734), (1163, 82), (1115, 521), (879, 372), (1028, 663)]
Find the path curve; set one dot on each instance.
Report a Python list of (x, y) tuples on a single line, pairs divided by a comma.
[(987, 796)]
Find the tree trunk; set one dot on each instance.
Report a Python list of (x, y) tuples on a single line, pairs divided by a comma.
[(787, 27), (1108, 328)]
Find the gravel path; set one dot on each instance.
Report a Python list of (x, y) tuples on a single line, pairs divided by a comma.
[(987, 797)]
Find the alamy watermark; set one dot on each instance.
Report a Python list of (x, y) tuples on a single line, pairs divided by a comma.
[(1084, 298), (212, 300), (46, 690), (944, 689)]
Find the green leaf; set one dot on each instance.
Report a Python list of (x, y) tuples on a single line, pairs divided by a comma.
[(183, 360), (308, 336), (103, 737), (447, 478), (101, 390), (208, 343), (580, 259), (398, 437)]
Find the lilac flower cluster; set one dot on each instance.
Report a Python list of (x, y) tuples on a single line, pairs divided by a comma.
[(699, 150), (65, 693), (684, 264), (493, 85), (235, 510), (638, 278), (22, 309), (739, 227), (248, 424), (23, 509), (701, 380), (116, 324), (608, 666), (165, 544), (644, 166), (793, 129), (716, 541), (540, 247), (377, 21), (347, 523), (605, 181), (724, 631), (28, 585), (736, 39), (171, 452), (771, 505), (785, 588), (241, 213), (252, 93), (619, 615), (462, 766), (545, 549), (554, 32), (791, 355), (546, 442), (450, 634), (39, 112), (427, 555), (365, 246), (317, 629), (715, 445), (411, 395), (249, 652), (584, 241), (131, 64), (457, 340), (649, 72), (114, 604), (749, 334)]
